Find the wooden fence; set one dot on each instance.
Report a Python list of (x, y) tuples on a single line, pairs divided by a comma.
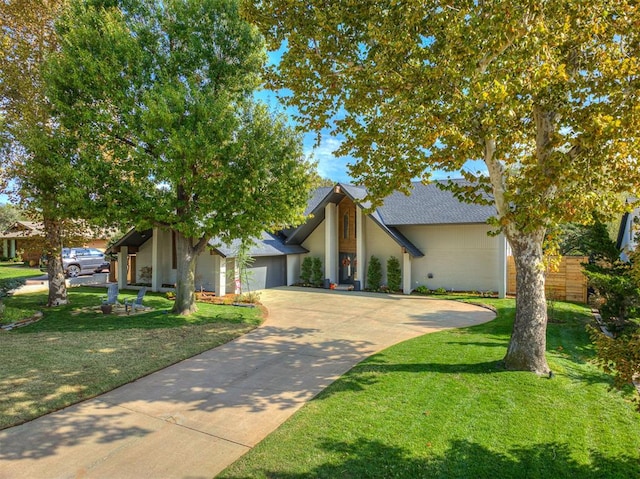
[(566, 284)]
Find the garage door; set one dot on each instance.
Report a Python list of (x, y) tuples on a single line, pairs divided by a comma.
[(268, 272)]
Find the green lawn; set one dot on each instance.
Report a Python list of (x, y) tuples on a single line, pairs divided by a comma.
[(76, 352), (441, 406), (18, 270)]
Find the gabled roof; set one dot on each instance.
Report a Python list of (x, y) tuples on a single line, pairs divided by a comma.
[(133, 238), (269, 244), (425, 205), (23, 229), (430, 205)]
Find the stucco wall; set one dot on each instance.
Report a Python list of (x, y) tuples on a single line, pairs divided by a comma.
[(459, 257), (315, 244), (143, 258), (379, 244), (205, 271)]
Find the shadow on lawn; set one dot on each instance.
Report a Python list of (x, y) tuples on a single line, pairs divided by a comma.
[(463, 459)]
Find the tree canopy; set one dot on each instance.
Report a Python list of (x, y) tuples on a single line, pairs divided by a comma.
[(159, 95), (37, 156), (546, 94)]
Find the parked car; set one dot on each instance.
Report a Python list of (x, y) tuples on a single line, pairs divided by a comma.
[(77, 261)]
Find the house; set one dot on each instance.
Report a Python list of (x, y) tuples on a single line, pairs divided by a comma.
[(439, 241), (26, 240), (628, 231)]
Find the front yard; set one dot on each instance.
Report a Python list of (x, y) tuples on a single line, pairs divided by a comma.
[(441, 406), (75, 352)]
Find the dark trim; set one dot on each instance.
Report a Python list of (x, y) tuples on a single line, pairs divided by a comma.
[(622, 229)]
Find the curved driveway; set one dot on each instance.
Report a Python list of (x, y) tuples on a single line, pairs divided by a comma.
[(193, 419)]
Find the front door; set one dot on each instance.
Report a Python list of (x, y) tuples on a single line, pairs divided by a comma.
[(347, 267)]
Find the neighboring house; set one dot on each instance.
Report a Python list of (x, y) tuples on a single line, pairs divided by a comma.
[(439, 241), (627, 233), (23, 239), (26, 239)]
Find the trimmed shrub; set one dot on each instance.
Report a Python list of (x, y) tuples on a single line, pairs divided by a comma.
[(9, 284), (394, 275), (316, 272), (374, 274), (305, 272)]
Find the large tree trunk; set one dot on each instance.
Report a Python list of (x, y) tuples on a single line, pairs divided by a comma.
[(186, 272), (526, 351), (55, 272)]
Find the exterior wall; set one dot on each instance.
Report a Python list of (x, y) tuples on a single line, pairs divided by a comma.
[(315, 243), (165, 257), (143, 257), (100, 244), (378, 244), (457, 257), (206, 271)]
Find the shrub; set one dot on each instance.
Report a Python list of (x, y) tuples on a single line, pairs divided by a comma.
[(374, 274), (619, 356), (316, 272), (9, 284), (305, 272), (617, 295), (394, 275), (422, 289), (251, 298)]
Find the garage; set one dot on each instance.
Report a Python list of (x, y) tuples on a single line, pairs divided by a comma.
[(267, 272)]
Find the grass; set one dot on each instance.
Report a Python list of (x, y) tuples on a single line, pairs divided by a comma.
[(442, 406), (75, 352), (17, 270)]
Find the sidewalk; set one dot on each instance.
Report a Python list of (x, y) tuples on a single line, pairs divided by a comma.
[(193, 419)]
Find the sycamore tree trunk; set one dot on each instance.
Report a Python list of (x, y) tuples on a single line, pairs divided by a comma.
[(187, 255), (55, 272), (527, 347)]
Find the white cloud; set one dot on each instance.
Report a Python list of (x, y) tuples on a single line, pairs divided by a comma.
[(329, 165)]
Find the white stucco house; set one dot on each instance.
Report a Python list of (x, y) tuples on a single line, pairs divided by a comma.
[(439, 241), (628, 232)]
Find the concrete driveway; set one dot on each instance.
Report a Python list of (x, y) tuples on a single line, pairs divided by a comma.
[(193, 419)]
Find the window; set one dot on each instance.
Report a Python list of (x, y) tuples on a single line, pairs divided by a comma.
[(345, 226), (174, 253)]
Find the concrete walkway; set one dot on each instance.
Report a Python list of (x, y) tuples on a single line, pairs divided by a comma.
[(193, 419)]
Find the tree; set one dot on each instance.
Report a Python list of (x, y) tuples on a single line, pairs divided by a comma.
[(36, 168), (159, 95), (8, 216), (394, 274), (318, 181), (544, 93), (306, 270), (374, 274), (316, 271)]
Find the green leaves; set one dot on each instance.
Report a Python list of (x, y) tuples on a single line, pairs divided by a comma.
[(161, 94), (415, 86)]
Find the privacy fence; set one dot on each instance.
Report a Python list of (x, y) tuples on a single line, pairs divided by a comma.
[(566, 284)]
